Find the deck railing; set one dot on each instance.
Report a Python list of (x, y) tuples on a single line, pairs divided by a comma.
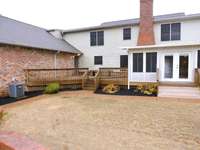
[(97, 80), (113, 76), (73, 76), (42, 77)]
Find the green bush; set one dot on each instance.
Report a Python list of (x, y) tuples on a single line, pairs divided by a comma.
[(52, 88)]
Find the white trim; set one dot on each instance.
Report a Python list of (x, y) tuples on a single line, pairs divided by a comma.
[(160, 46)]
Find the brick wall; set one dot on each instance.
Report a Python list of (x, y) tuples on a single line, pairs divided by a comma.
[(146, 33), (13, 60), (15, 141)]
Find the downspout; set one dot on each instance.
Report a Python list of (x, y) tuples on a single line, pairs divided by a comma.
[(129, 68), (55, 59), (55, 64)]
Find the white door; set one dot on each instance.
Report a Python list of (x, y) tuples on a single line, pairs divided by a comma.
[(177, 67)]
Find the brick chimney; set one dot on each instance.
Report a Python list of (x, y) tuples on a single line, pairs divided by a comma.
[(146, 31)]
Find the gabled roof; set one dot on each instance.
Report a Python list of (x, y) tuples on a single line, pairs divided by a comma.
[(14, 32), (121, 23)]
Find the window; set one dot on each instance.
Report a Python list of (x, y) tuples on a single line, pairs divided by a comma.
[(198, 58), (124, 61), (98, 60), (100, 38), (97, 38), (93, 38), (137, 62), (165, 32), (170, 32), (175, 31), (151, 62), (127, 33)]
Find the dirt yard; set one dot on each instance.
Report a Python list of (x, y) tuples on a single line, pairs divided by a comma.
[(85, 121)]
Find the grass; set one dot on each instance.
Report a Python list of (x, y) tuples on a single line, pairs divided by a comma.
[(82, 120)]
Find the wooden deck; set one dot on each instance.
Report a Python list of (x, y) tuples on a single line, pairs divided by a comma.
[(118, 76), (76, 76), (42, 77)]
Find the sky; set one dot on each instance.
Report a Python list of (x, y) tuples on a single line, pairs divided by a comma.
[(69, 14)]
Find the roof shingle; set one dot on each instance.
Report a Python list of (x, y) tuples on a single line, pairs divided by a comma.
[(121, 23), (14, 32)]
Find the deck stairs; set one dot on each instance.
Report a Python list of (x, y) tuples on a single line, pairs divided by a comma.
[(89, 84), (179, 90)]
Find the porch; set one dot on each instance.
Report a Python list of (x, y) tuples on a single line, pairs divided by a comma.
[(93, 79)]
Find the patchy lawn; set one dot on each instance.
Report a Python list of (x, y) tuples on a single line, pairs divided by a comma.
[(84, 121)]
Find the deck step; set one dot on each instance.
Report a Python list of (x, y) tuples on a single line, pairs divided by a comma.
[(89, 84), (89, 88), (178, 84), (177, 92)]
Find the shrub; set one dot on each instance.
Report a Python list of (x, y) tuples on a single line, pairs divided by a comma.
[(111, 89), (52, 88), (2, 116), (148, 89)]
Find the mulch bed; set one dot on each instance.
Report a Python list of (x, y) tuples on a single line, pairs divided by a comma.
[(125, 92), (7, 100)]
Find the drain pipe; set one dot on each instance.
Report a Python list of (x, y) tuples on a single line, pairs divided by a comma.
[(55, 59), (55, 63)]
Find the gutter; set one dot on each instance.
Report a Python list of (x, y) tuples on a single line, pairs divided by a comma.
[(160, 46)]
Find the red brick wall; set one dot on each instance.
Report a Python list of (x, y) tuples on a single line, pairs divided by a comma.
[(13, 60), (146, 33), (15, 141)]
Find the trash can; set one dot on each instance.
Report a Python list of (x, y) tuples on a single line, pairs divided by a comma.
[(16, 90)]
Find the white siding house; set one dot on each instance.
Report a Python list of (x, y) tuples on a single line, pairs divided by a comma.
[(172, 55), (187, 47), (111, 50)]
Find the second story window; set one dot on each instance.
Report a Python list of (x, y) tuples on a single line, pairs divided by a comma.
[(127, 33), (175, 31), (171, 32), (97, 38)]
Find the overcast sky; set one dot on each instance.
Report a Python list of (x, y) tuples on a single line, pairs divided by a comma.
[(67, 14)]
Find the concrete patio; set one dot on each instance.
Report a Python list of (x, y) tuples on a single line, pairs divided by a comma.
[(179, 92)]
